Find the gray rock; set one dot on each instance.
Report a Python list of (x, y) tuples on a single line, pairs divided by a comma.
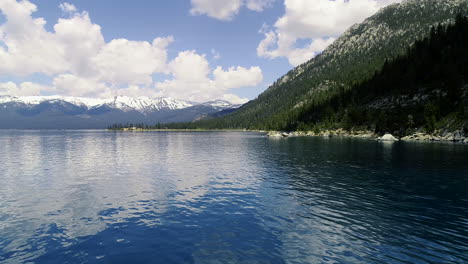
[(274, 134), (457, 136), (387, 137)]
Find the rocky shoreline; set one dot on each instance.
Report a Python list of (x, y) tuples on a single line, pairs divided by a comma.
[(438, 136)]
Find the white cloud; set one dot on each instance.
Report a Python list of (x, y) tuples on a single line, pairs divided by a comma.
[(258, 5), (237, 77), (24, 89), (222, 10), (226, 9), (318, 22), (80, 41), (133, 91), (76, 47), (80, 62), (234, 99), (68, 8), (29, 47), (131, 62), (191, 79), (69, 84)]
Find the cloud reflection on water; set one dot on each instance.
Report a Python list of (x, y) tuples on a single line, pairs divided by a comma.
[(93, 196)]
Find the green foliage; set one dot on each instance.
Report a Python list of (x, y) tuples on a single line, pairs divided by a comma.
[(431, 115), (425, 83)]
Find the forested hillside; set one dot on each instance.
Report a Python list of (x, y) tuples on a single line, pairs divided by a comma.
[(414, 90), (379, 50)]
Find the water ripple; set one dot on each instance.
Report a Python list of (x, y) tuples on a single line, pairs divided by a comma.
[(105, 197)]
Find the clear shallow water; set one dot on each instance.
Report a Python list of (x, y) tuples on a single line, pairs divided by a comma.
[(156, 197)]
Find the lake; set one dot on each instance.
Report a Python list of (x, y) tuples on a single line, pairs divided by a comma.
[(229, 197)]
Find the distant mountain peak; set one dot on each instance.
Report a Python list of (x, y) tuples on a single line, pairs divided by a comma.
[(81, 112), (223, 104)]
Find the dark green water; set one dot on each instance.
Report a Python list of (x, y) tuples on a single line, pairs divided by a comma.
[(155, 197)]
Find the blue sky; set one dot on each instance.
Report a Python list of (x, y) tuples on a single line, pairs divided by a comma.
[(206, 50)]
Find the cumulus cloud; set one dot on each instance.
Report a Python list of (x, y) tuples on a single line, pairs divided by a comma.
[(80, 62), (24, 89), (28, 47), (318, 22), (76, 46), (222, 10), (131, 62), (226, 9), (236, 77), (80, 40), (69, 84), (191, 78)]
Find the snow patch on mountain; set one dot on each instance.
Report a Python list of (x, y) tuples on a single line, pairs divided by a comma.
[(221, 104), (145, 104)]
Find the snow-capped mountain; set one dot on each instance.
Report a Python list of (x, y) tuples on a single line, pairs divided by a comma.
[(146, 104), (79, 112), (125, 103)]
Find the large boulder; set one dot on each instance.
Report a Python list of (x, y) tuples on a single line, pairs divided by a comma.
[(387, 137)]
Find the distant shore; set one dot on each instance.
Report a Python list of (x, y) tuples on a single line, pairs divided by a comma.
[(184, 130)]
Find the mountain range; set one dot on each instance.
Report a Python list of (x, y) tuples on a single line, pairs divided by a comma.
[(57, 112)]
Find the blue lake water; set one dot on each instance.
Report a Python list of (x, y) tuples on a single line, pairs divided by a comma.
[(209, 197)]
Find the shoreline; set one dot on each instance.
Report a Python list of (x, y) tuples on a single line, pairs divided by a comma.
[(446, 137), (183, 130)]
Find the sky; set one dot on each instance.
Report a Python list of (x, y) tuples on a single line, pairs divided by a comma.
[(194, 50)]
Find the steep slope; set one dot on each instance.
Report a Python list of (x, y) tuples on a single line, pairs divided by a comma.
[(351, 59), (425, 88)]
